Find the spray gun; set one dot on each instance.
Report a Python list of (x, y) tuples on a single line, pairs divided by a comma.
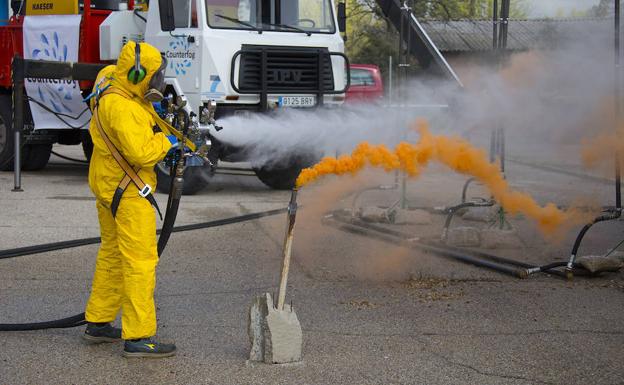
[(177, 116)]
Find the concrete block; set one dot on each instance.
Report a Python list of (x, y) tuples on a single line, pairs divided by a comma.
[(599, 264), (500, 239), (275, 335), (375, 214), (619, 255), (412, 217), (480, 214), (463, 236)]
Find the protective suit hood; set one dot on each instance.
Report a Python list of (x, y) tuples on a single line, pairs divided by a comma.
[(150, 60)]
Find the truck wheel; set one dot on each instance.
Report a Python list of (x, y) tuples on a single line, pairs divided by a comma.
[(195, 179), (283, 175), (6, 133), (36, 156)]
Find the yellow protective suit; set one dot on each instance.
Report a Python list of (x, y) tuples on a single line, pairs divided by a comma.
[(125, 272)]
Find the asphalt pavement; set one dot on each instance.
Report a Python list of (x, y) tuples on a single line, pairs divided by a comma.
[(371, 312)]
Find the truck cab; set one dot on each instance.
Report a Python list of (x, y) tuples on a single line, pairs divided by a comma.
[(253, 55), (245, 56), (248, 56)]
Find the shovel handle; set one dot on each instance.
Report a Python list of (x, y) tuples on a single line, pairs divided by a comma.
[(286, 252)]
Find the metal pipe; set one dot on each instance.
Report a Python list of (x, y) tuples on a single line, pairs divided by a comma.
[(502, 149), (495, 25), (390, 80), (401, 56), (618, 104), (18, 120), (287, 249), (493, 146), (504, 22)]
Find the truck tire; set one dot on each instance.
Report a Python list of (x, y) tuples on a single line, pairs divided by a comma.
[(195, 179), (283, 174), (36, 156), (6, 133)]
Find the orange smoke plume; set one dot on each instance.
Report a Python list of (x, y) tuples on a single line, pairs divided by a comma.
[(601, 149), (456, 153)]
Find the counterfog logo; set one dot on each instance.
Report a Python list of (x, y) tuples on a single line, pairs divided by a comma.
[(59, 92), (179, 55)]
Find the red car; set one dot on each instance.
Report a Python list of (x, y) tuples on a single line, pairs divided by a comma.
[(366, 84)]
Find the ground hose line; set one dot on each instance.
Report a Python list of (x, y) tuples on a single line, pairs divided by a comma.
[(79, 319), (36, 249), (69, 158), (69, 322), (503, 265)]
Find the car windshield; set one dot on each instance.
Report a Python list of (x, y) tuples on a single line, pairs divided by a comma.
[(309, 16)]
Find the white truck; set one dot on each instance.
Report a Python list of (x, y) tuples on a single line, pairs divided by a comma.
[(247, 56)]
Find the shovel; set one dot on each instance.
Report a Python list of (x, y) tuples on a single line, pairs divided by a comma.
[(274, 330)]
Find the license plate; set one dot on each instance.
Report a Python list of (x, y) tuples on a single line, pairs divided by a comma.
[(297, 101)]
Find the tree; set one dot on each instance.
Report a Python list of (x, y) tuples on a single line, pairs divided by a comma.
[(372, 38), (603, 9)]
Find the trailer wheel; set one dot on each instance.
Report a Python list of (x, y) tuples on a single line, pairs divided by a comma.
[(36, 156), (6, 133), (282, 175), (195, 179)]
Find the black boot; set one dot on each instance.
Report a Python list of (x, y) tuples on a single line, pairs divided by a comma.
[(101, 332)]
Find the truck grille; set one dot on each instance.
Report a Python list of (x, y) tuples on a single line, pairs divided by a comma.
[(287, 69)]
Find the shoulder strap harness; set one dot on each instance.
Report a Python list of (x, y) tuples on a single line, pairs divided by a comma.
[(131, 173)]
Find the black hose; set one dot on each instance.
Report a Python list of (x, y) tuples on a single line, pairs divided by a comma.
[(176, 171), (69, 322), (60, 115), (171, 211), (137, 14), (465, 189), (36, 249), (170, 217), (579, 238), (453, 210), (79, 319), (69, 158)]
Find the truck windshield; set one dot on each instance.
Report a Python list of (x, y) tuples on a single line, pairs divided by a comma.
[(311, 16)]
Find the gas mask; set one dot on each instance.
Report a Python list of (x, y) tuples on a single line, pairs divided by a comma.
[(156, 87)]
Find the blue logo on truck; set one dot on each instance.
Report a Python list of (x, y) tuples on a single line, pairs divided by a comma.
[(51, 48), (180, 55)]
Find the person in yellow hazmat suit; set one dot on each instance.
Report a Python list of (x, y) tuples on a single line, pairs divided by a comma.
[(123, 125)]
